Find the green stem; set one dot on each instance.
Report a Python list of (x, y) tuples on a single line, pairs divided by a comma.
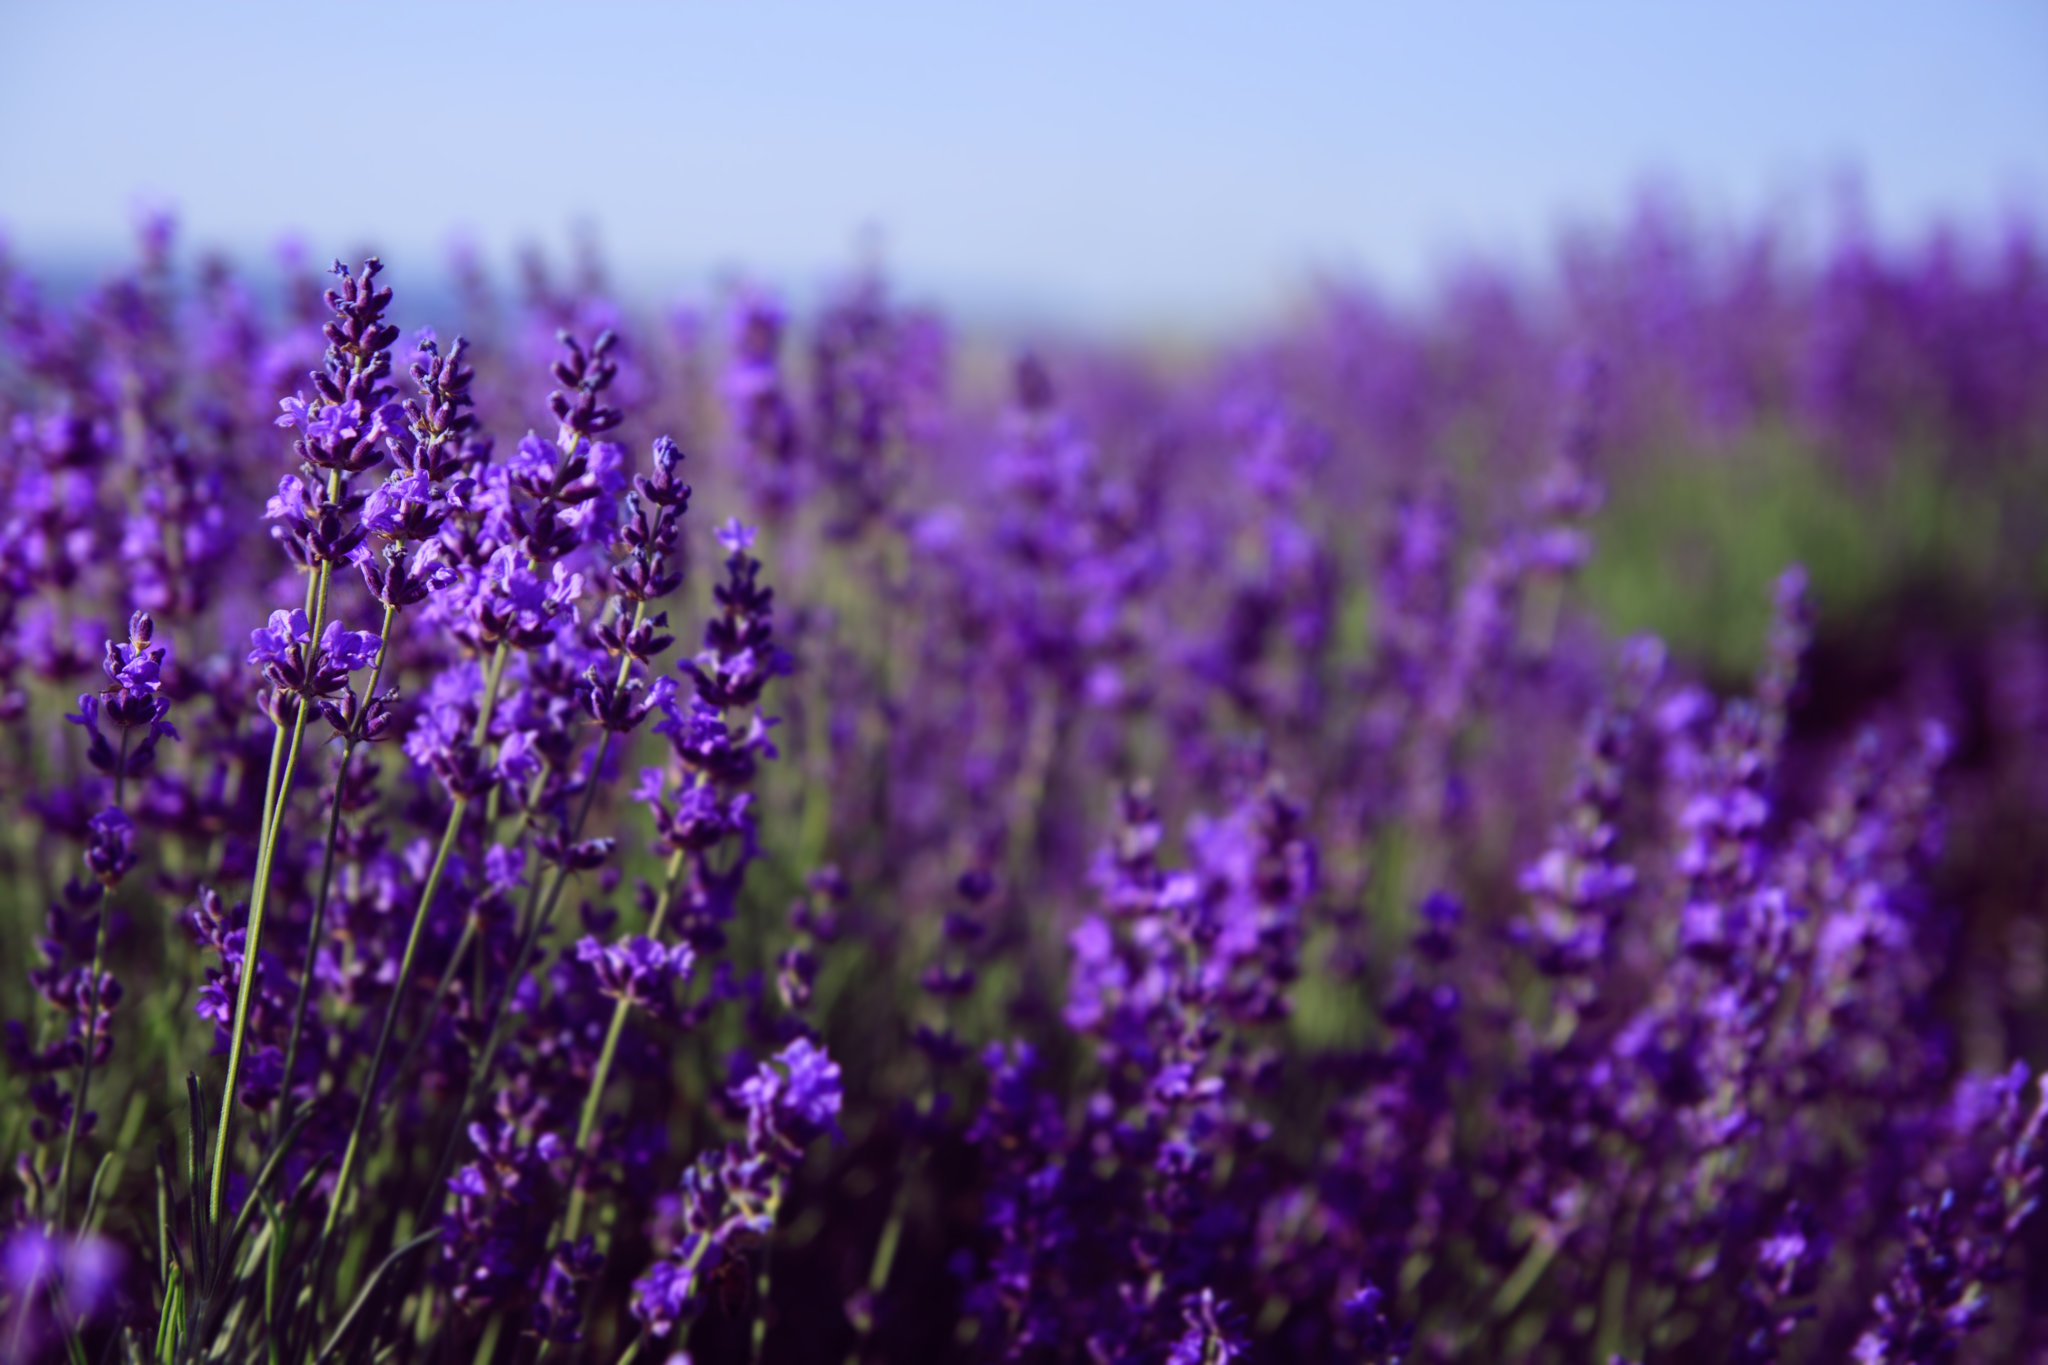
[(92, 1021), (271, 778), (316, 598), (593, 1101), (487, 1345), (406, 964), (278, 793), (541, 911), (92, 1037), (885, 1258), (536, 925), (885, 1249), (367, 1102), (327, 861), (1542, 1250), (761, 1288), (456, 956)]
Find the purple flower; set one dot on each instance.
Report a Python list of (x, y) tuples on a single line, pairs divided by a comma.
[(638, 970), (272, 643), (1957, 1243), (1364, 1314), (732, 1195), (493, 1236), (387, 510), (525, 607), (133, 703), (663, 1297), (735, 536), (519, 759), (558, 1308), (39, 1268), (504, 867), (534, 461), (1435, 1053), (348, 650), (1206, 1341), (110, 848), (792, 1096)]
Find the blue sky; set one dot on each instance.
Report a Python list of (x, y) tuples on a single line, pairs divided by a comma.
[(1097, 161)]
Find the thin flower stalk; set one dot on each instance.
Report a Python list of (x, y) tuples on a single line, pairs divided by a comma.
[(259, 896), (372, 1085)]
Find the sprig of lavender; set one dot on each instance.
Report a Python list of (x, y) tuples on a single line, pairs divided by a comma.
[(341, 429)]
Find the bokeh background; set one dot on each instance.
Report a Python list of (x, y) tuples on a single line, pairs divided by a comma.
[(1175, 180), (1146, 165)]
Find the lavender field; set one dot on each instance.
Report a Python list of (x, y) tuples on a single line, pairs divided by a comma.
[(1500, 828)]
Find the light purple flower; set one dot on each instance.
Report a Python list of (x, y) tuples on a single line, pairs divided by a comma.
[(384, 510), (274, 641), (348, 649), (735, 535), (793, 1095), (291, 502), (87, 1269)]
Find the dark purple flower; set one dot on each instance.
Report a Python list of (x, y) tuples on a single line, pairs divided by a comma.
[(637, 970), (791, 1097)]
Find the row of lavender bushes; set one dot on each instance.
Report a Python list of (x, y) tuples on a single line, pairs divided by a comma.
[(1154, 864)]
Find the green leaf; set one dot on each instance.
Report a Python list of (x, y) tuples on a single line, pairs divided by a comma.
[(200, 1237), (92, 1191), (272, 1164), (369, 1291), (170, 1322)]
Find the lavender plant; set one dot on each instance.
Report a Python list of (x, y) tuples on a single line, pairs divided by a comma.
[(1141, 865)]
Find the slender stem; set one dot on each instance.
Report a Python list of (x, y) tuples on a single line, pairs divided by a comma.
[(279, 795), (323, 1246), (92, 1025), (271, 782), (885, 1260), (761, 1287), (406, 963), (327, 860), (487, 1345), (313, 933), (271, 777), (690, 1264), (1542, 1251), (223, 1136), (316, 597), (593, 1101), (885, 1249), (542, 911), (456, 956), (92, 1038)]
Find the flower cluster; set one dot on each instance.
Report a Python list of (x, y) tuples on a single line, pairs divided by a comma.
[(729, 1199)]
